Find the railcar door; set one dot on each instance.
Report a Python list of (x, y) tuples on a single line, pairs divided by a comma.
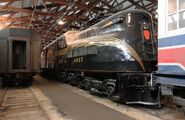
[(19, 54), (3, 56)]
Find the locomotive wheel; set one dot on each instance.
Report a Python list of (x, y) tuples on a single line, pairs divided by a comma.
[(93, 91), (110, 91), (81, 85), (87, 85)]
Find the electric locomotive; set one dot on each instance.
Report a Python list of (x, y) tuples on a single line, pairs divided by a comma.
[(115, 57)]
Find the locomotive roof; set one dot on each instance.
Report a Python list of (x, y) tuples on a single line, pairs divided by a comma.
[(112, 17)]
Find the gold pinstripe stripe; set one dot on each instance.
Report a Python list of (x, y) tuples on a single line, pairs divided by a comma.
[(136, 56), (132, 52)]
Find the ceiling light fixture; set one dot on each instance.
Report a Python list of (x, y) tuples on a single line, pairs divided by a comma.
[(60, 22)]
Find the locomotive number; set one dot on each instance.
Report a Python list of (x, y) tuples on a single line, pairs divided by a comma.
[(78, 60)]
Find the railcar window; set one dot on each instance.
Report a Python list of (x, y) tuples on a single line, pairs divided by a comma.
[(182, 4), (176, 14), (182, 19), (182, 13), (172, 22), (172, 6)]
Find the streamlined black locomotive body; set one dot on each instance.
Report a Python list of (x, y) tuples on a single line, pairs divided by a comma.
[(113, 57)]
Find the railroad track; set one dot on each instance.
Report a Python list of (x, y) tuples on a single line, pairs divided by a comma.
[(20, 103), (2, 94)]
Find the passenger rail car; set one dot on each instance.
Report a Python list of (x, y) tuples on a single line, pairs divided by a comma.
[(19, 55), (171, 44), (115, 57)]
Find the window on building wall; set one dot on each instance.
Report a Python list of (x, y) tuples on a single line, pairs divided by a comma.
[(176, 14)]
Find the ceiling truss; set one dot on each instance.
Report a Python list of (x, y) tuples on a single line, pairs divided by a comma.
[(42, 15)]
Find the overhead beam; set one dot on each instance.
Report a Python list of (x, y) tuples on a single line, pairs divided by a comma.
[(21, 10), (78, 4)]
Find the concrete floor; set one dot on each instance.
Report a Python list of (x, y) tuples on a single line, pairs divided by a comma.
[(75, 106)]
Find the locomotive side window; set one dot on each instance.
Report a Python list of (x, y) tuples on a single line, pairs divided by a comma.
[(70, 53), (82, 51), (75, 52), (62, 43), (92, 50)]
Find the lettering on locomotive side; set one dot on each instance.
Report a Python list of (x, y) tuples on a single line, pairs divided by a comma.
[(78, 60)]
